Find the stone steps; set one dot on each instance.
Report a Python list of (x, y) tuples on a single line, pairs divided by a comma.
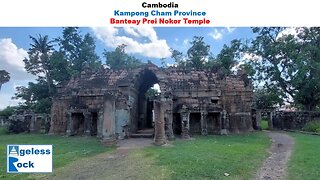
[(141, 135), (144, 133)]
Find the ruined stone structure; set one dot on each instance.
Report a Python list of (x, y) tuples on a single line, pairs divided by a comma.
[(27, 121), (111, 104), (295, 120)]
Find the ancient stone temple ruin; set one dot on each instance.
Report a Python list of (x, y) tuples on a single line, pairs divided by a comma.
[(111, 104)]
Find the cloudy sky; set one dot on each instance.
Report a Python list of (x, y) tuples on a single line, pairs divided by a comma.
[(144, 43)]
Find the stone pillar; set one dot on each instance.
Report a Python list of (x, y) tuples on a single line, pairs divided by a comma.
[(87, 123), (159, 131), (100, 123), (47, 123), (270, 121), (204, 130), (169, 130), (224, 122), (108, 128), (258, 119), (185, 125), (69, 131)]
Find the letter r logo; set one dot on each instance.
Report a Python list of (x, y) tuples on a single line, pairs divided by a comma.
[(12, 167)]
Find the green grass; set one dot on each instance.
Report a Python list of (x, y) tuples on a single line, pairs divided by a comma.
[(65, 149), (3, 131), (212, 156), (264, 124), (305, 160)]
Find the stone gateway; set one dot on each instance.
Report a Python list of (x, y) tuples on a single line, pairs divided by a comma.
[(112, 104)]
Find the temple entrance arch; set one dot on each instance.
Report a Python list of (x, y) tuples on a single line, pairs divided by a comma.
[(145, 83)]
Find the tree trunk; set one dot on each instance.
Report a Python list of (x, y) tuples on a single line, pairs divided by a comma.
[(49, 82)]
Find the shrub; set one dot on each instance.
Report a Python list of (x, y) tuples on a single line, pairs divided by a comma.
[(19, 124), (312, 126)]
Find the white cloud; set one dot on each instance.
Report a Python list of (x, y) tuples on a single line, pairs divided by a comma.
[(230, 29), (131, 31), (5, 100), (156, 87), (11, 59), (153, 47), (217, 34)]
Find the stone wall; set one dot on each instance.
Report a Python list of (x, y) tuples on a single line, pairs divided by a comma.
[(191, 102), (294, 120)]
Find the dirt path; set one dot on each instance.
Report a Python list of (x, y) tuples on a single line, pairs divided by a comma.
[(122, 163), (275, 166)]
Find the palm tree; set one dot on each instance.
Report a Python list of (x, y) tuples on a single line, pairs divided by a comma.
[(4, 77), (38, 62)]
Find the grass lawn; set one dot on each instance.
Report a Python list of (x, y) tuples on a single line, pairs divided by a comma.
[(305, 160), (212, 156), (66, 149)]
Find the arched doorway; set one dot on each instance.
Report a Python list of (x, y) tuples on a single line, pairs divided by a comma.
[(146, 82)]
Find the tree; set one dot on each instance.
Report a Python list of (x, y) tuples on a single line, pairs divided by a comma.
[(4, 77), (35, 96), (78, 51), (38, 62), (290, 62), (7, 112), (227, 58), (267, 98), (198, 53), (152, 93), (118, 59), (178, 57)]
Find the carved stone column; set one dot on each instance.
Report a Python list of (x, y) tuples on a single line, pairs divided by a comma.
[(224, 122), (69, 131), (159, 131), (109, 121), (100, 123), (258, 120), (204, 130), (270, 121), (168, 121), (87, 123), (185, 125)]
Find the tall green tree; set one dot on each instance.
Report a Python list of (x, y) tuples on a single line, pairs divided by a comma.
[(35, 96), (38, 62), (178, 57), (4, 77), (119, 59), (268, 98), (227, 58), (78, 51), (198, 53), (290, 62)]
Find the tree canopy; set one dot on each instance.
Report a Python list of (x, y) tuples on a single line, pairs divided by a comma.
[(55, 61), (4, 77), (119, 59), (289, 62), (286, 64)]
